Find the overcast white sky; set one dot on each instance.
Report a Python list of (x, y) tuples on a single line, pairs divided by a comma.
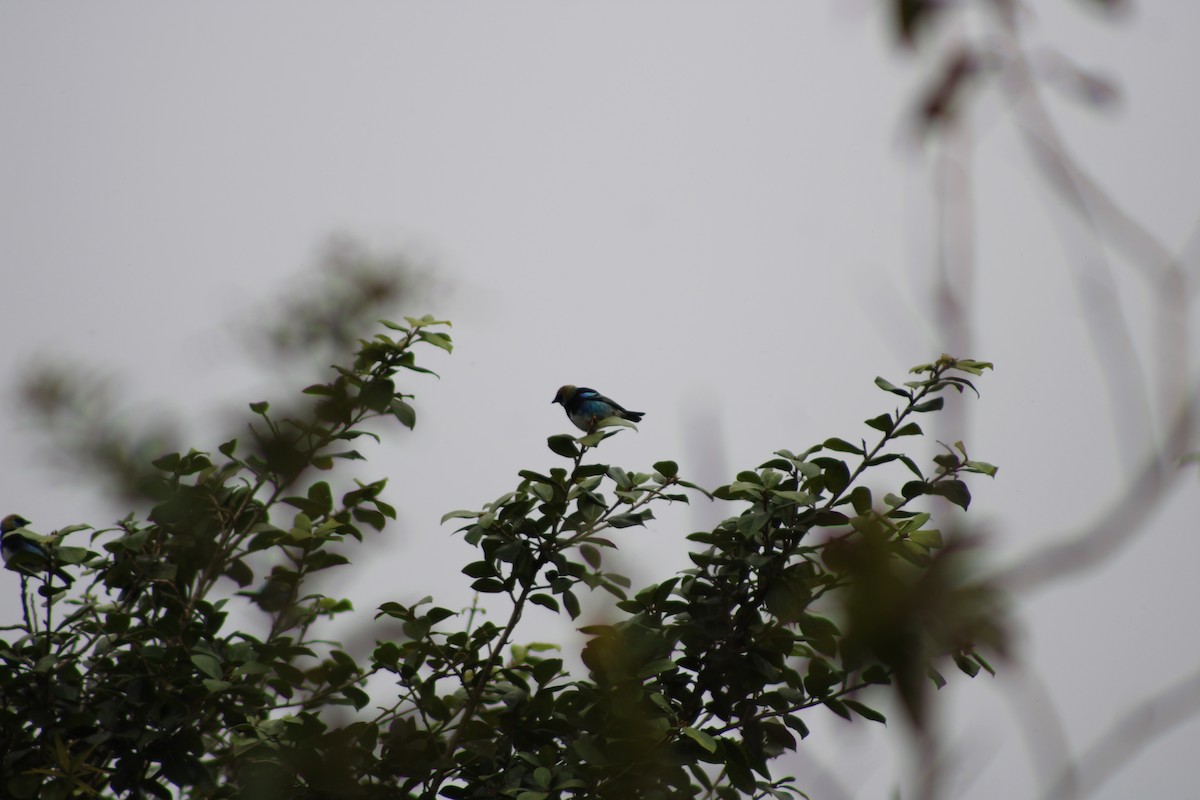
[(706, 210)]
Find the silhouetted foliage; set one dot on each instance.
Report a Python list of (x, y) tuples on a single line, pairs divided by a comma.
[(815, 589)]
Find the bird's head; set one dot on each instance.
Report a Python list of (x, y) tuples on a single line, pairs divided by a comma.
[(12, 522), (564, 394)]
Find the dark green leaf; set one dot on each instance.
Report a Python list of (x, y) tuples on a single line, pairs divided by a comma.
[(737, 767), (377, 395), (207, 664), (934, 404), (563, 445), (915, 489), (865, 711), (860, 498), (544, 600), (837, 707), (571, 602), (321, 497), (167, 463), (591, 555), (631, 519), (881, 423), (668, 469), (841, 446), (796, 724), (888, 387), (966, 664), (955, 491), (479, 569), (403, 412), (656, 668), (701, 738), (837, 475)]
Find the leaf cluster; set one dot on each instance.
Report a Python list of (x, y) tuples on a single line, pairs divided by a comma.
[(811, 592)]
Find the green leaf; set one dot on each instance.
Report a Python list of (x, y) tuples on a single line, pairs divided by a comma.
[(403, 412), (860, 498), (982, 467), (796, 724), (668, 469), (753, 489), (357, 697), (377, 395), (931, 539), (954, 491), (631, 519), (881, 423), (167, 463), (701, 738), (837, 706), (657, 668), (888, 387), (799, 498), (461, 514), (564, 445), (591, 554), (911, 429), (545, 601), (700, 489), (837, 475), (737, 768), (596, 437), (915, 489), (260, 408), (930, 405), (841, 446), (865, 711), (207, 664), (571, 603), (967, 665), (321, 496), (479, 569), (983, 662), (437, 340)]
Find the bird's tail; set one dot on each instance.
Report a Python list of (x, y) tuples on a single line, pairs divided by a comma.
[(634, 416)]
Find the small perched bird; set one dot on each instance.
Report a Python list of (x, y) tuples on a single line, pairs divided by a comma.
[(586, 407), (22, 553)]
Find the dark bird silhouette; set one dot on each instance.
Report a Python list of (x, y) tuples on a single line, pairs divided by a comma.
[(23, 553), (586, 407)]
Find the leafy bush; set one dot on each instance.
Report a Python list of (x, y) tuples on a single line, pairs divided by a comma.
[(817, 588)]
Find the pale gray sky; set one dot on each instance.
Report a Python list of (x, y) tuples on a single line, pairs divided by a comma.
[(710, 211)]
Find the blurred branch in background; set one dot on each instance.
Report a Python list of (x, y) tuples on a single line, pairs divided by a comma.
[(77, 411), (1152, 421), (329, 309), (1128, 736)]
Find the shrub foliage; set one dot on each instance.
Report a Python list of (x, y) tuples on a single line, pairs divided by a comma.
[(817, 587)]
